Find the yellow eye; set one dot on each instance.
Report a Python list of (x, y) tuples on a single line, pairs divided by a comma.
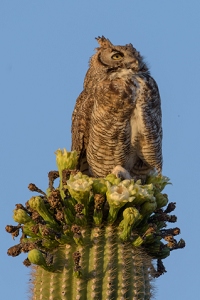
[(117, 56)]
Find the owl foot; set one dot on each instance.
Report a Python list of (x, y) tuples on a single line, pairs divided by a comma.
[(120, 172)]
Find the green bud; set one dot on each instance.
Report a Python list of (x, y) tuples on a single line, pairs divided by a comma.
[(158, 181), (161, 200), (99, 186), (66, 160), (142, 193), (21, 216), (148, 208), (130, 216), (37, 204), (113, 179), (36, 257)]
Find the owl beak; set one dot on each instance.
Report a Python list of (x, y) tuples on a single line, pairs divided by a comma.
[(128, 65)]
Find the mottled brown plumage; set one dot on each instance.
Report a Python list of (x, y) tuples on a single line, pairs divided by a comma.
[(116, 123)]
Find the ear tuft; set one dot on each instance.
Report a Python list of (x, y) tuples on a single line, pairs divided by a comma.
[(103, 42)]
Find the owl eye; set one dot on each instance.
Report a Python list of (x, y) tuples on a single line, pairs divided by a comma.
[(117, 56)]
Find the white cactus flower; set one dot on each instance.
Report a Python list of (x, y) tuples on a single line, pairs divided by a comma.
[(118, 195)]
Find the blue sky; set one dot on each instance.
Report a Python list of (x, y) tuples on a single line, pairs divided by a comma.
[(44, 53)]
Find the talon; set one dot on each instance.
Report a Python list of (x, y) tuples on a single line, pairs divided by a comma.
[(120, 172)]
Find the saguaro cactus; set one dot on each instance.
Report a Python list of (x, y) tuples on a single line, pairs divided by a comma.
[(94, 238)]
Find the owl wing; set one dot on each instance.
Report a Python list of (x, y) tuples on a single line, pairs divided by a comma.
[(150, 124), (80, 128)]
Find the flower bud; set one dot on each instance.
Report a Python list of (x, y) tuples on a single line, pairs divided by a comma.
[(131, 216), (38, 204), (113, 179), (99, 186), (161, 200), (21, 216), (142, 193), (66, 160), (158, 181), (36, 257), (148, 208)]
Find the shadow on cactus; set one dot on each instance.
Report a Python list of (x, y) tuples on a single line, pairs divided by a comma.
[(94, 238)]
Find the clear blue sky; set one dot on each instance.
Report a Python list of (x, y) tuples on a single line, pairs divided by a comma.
[(44, 53)]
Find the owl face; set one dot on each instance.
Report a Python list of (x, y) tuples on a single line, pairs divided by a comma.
[(113, 58)]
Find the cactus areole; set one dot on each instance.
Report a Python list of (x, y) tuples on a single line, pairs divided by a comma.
[(94, 238)]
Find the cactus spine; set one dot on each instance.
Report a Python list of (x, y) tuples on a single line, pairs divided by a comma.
[(109, 270), (94, 238)]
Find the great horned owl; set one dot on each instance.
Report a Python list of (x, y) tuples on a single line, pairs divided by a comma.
[(116, 123)]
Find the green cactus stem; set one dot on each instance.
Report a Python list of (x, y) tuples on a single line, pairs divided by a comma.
[(94, 238), (107, 269)]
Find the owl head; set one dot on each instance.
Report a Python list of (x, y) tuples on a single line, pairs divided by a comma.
[(113, 58)]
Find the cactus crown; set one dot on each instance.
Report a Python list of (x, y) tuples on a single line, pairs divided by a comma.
[(69, 228)]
